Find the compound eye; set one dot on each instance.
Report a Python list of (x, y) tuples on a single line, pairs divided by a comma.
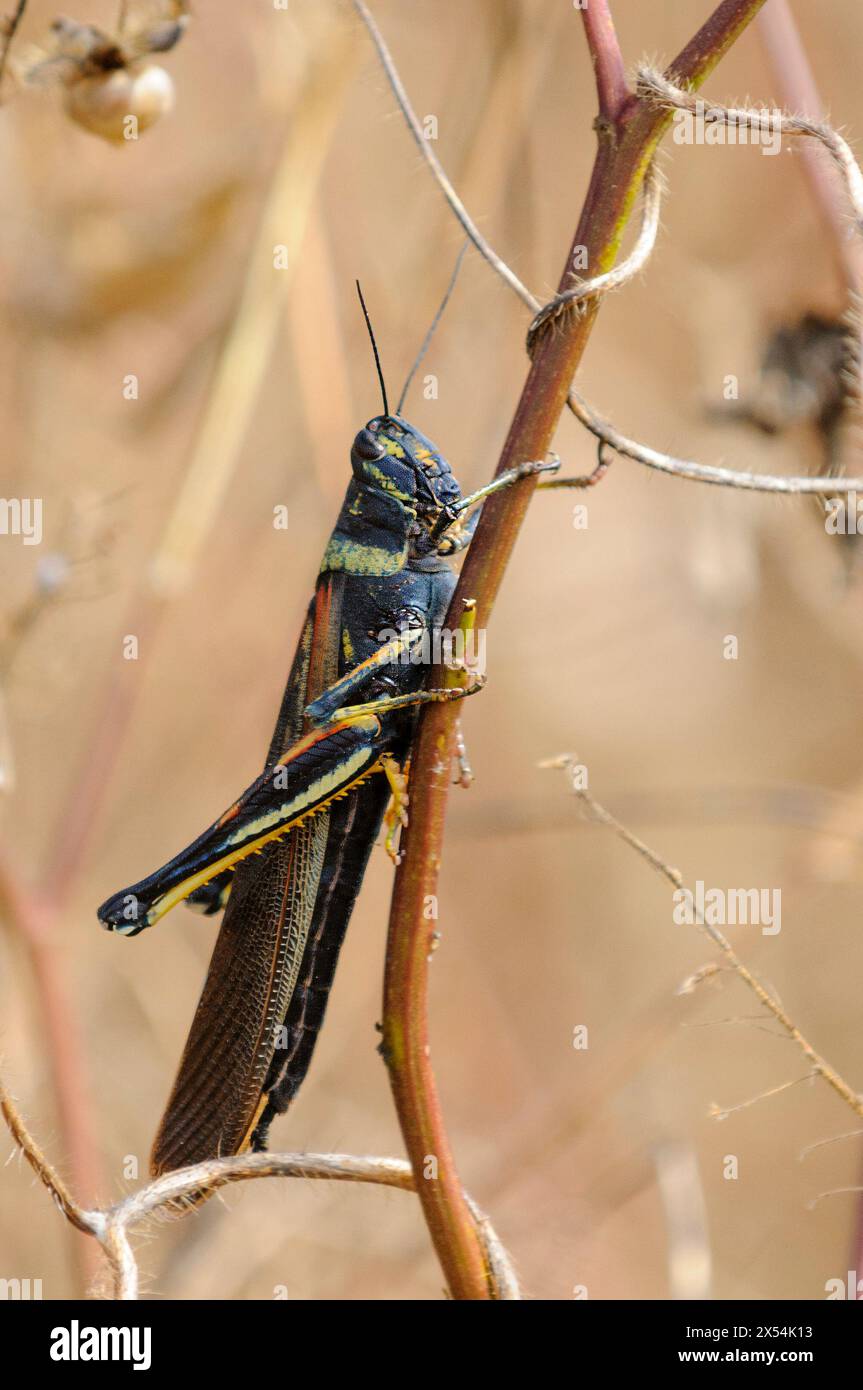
[(367, 446)]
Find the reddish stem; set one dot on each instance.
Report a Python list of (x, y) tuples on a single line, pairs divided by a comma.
[(626, 146), (799, 93), (82, 807), (608, 66), (36, 925)]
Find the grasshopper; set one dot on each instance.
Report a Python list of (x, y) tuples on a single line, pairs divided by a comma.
[(287, 859)]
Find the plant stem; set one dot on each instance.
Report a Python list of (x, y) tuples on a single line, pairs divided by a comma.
[(626, 144), (608, 66), (35, 923), (798, 91)]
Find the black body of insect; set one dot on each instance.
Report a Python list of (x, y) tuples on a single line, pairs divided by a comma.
[(347, 714), (287, 859)]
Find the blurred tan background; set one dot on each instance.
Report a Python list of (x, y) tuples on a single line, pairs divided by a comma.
[(606, 642)]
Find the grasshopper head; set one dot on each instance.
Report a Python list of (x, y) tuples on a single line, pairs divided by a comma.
[(393, 457)]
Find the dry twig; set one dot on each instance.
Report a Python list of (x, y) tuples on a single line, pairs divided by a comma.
[(661, 92), (819, 1065), (112, 1226)]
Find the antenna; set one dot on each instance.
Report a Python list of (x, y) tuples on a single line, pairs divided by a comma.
[(375, 351), (434, 323)]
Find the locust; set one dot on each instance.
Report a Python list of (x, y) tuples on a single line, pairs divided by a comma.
[(286, 860)]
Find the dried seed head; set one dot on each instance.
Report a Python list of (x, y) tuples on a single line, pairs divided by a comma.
[(119, 105)]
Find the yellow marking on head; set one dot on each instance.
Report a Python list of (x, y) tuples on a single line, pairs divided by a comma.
[(393, 448), (386, 484)]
